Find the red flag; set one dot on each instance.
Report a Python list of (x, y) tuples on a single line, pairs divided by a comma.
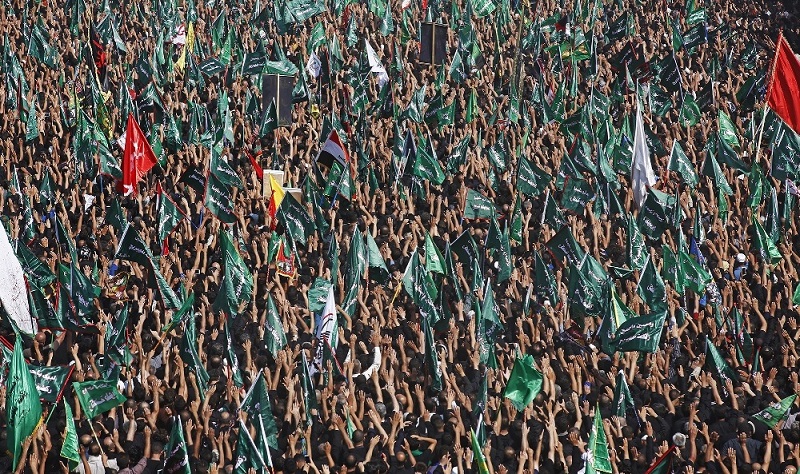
[(138, 158), (783, 94), (256, 166)]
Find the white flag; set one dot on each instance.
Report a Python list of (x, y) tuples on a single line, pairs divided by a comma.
[(327, 333), (314, 65), (642, 175), (13, 291), (375, 65)]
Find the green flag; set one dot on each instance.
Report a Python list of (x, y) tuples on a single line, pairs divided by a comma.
[(531, 180), (247, 454), (546, 286), (176, 452), (37, 272), (185, 311), (168, 217), (727, 131), (695, 277), (635, 250), (295, 219), (24, 410), (191, 357), (711, 168), (434, 261), (458, 155), (69, 447), (478, 456), (427, 166), (775, 412), (715, 359), (651, 287), (597, 459), (257, 405), (764, 245), (478, 206), (236, 289), (641, 334), (524, 383), (219, 199), (564, 246), (354, 273), (233, 359), (690, 113), (623, 401), (457, 72), (317, 294), (269, 121), (680, 163), (274, 335), (615, 313), (98, 396), (133, 248), (473, 109)]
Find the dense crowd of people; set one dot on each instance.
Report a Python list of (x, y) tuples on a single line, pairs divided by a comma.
[(431, 265)]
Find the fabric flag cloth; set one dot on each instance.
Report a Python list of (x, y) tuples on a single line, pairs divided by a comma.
[(783, 92), (716, 360), (623, 400), (764, 245), (236, 289), (176, 450), (642, 175), (24, 410), (597, 458), (327, 331), (259, 410), (680, 163), (662, 465), (333, 150), (98, 396), (13, 290), (247, 455), (274, 334), (524, 383), (138, 158), (69, 448), (641, 334), (375, 64), (479, 458), (478, 206), (775, 412)]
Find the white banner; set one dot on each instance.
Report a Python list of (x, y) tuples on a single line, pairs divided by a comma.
[(13, 291)]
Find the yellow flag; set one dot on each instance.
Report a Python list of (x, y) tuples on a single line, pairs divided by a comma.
[(189, 43), (277, 191)]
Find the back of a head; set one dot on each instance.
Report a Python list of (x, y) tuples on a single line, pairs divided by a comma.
[(156, 449), (94, 449)]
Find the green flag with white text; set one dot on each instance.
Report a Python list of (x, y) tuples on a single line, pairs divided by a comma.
[(641, 334)]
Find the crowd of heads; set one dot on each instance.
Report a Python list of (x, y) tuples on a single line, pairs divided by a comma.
[(446, 266)]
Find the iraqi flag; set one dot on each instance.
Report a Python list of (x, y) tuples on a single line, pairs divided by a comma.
[(333, 150), (137, 160)]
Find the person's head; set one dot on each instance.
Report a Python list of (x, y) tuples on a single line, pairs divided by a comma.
[(123, 460), (743, 431), (156, 449), (94, 449), (401, 457)]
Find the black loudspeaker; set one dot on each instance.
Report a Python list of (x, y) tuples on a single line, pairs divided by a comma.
[(433, 48), (274, 86)]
